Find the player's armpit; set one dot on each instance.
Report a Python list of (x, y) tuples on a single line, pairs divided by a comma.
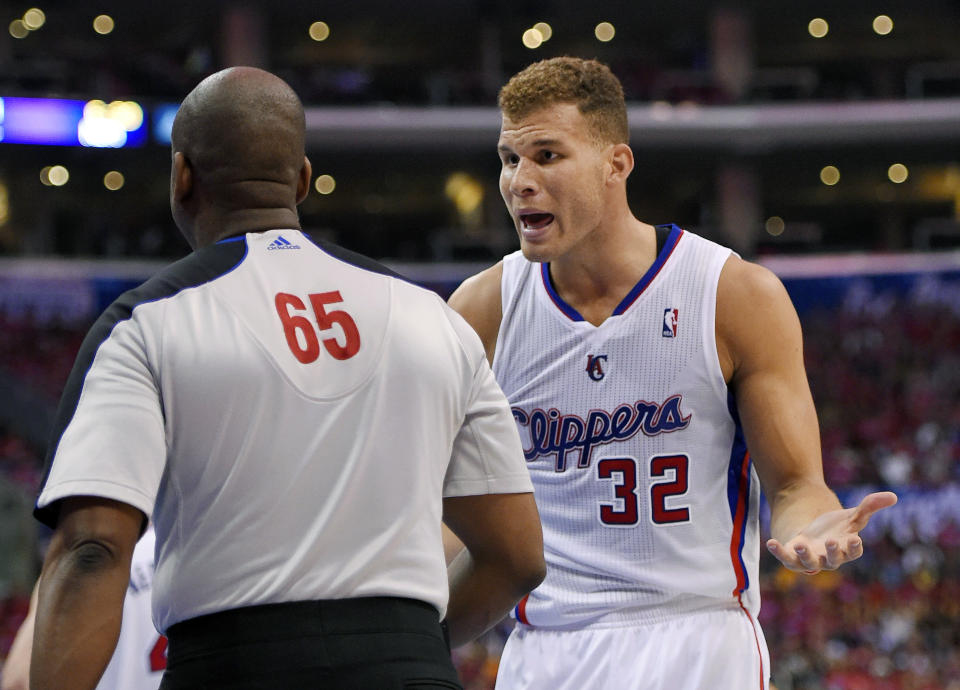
[(503, 559), (478, 301)]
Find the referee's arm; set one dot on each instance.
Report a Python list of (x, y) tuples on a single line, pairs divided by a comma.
[(82, 587), (502, 561)]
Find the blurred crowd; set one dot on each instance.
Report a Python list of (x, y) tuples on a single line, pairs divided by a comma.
[(884, 367)]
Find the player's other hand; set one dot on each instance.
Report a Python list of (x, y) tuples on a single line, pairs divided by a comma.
[(831, 539)]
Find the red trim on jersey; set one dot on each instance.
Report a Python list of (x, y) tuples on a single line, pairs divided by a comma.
[(522, 610), (756, 640), (736, 539)]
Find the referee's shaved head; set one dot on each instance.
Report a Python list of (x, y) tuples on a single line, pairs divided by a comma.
[(241, 133)]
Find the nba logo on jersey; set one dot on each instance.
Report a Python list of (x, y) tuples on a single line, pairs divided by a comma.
[(670, 319), (595, 366)]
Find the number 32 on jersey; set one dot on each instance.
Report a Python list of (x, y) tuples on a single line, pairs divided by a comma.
[(301, 333), (668, 480)]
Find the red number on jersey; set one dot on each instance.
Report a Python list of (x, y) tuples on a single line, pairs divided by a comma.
[(625, 490), (661, 491), (296, 326), (326, 320), (158, 655)]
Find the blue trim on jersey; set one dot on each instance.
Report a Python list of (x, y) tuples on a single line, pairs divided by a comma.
[(635, 292), (738, 457), (571, 313), (238, 238), (652, 272)]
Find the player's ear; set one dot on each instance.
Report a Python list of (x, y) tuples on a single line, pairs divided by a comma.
[(182, 181), (621, 163), (303, 180)]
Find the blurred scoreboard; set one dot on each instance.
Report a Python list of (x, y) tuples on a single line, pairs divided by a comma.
[(94, 123)]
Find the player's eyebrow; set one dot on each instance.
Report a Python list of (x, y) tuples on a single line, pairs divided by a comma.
[(537, 143)]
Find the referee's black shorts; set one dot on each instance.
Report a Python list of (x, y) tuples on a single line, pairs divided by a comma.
[(375, 643)]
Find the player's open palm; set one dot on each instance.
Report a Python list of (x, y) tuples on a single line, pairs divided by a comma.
[(832, 539)]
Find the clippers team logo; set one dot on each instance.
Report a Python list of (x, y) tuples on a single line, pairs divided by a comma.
[(282, 243), (671, 318), (595, 365)]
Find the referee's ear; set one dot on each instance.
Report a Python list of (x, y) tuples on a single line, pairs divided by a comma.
[(303, 180), (182, 177)]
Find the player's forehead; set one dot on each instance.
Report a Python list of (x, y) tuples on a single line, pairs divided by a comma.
[(556, 123)]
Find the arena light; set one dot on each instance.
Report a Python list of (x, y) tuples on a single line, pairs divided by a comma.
[(532, 39), (818, 27), (898, 173), (18, 29), (775, 226), (830, 175), (325, 184), (45, 175), (163, 117), (103, 24), (882, 25), (464, 191), (113, 180), (109, 125), (34, 18), (319, 31), (546, 31), (604, 32), (58, 175)]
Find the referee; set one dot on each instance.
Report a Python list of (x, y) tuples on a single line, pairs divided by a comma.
[(297, 420)]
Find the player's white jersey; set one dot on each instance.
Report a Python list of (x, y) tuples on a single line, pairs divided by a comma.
[(290, 412), (141, 654), (645, 488)]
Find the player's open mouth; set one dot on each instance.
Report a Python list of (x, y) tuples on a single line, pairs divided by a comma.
[(535, 221)]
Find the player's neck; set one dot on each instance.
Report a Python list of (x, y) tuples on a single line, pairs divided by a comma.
[(595, 276)]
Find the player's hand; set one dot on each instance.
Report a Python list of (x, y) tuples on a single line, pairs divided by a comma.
[(832, 539)]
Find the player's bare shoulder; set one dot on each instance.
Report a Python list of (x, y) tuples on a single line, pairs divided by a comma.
[(478, 301), (755, 317)]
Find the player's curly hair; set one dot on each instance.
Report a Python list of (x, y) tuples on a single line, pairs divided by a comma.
[(589, 84)]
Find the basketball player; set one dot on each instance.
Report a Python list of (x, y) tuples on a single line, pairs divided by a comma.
[(141, 653), (641, 363), (297, 420)]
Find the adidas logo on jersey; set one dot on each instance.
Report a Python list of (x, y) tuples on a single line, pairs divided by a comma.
[(281, 243)]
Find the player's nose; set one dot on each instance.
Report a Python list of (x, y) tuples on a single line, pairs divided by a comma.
[(523, 182)]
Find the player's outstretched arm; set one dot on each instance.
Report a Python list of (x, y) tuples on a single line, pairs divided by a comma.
[(502, 561), (760, 345), (82, 587)]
